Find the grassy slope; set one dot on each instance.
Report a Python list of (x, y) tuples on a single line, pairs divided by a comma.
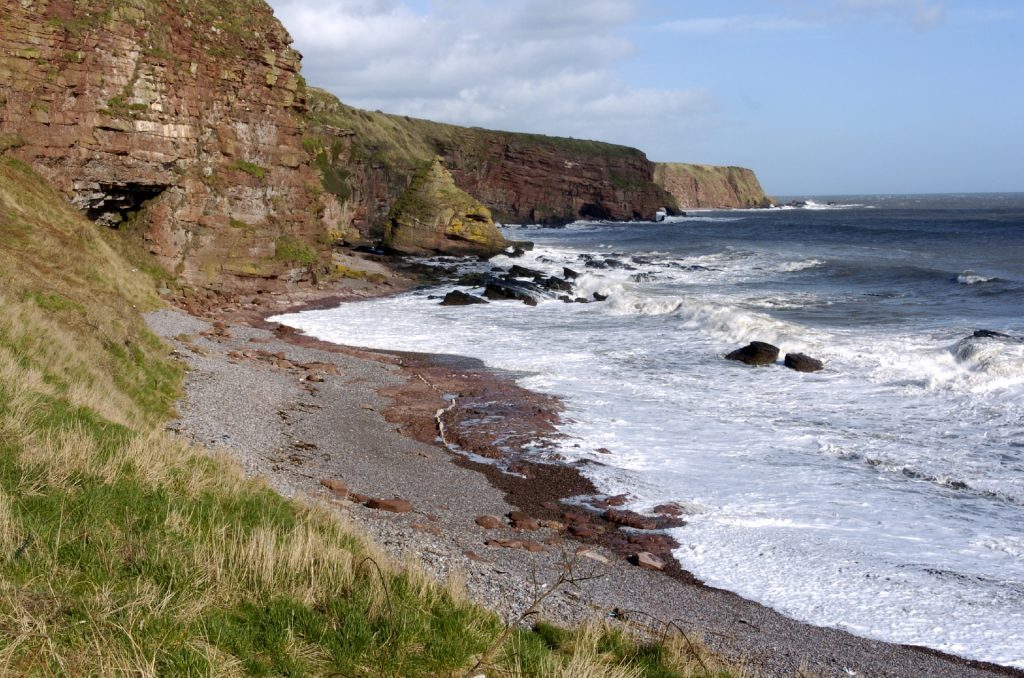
[(122, 550), (399, 145)]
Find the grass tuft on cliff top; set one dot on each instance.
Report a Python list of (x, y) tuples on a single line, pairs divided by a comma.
[(123, 550)]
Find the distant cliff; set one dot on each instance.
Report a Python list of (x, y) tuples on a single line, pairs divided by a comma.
[(368, 158), (706, 186), (191, 108)]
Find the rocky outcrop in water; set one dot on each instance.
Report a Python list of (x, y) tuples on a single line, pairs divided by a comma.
[(710, 186), (755, 353), (434, 216), (803, 363)]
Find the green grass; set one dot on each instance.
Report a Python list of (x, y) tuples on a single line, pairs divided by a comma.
[(295, 251), (251, 168), (125, 551)]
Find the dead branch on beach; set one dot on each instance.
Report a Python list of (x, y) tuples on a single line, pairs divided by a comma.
[(568, 576)]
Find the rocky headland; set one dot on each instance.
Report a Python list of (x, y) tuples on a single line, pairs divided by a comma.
[(710, 186)]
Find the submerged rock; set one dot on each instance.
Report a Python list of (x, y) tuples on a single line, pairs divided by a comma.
[(518, 271), (556, 284), (755, 353), (516, 290), (460, 298), (989, 334), (803, 363)]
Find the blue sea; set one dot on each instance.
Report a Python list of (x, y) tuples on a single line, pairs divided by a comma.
[(883, 495)]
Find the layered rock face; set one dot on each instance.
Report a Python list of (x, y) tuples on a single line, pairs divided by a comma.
[(710, 186), (434, 216), (191, 108), (367, 160)]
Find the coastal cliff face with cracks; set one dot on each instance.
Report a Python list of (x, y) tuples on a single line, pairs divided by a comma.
[(434, 216), (710, 186), (182, 120), (367, 160)]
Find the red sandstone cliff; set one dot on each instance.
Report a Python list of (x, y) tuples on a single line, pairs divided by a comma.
[(367, 160), (188, 123), (192, 105)]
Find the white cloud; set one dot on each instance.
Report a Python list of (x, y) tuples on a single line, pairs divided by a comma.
[(803, 15), (530, 65), (922, 14), (743, 23)]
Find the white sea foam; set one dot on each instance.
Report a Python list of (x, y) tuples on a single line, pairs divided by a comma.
[(878, 496), (972, 278)]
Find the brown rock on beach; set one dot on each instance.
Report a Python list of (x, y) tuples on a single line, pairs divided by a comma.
[(522, 521), (648, 561), (395, 505), (489, 522), (336, 486)]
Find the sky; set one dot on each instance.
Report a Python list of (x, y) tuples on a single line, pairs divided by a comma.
[(825, 97)]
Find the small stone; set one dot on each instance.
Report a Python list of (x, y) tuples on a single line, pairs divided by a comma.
[(522, 521), (504, 543), (593, 555), (489, 522), (647, 561), (630, 519), (395, 505), (583, 531), (314, 377), (429, 529), (670, 509), (532, 546), (336, 486)]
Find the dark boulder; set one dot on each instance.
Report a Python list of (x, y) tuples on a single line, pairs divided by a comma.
[(569, 274), (600, 297), (473, 279), (515, 290), (555, 284), (459, 298), (755, 353), (518, 271), (990, 334), (803, 363)]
